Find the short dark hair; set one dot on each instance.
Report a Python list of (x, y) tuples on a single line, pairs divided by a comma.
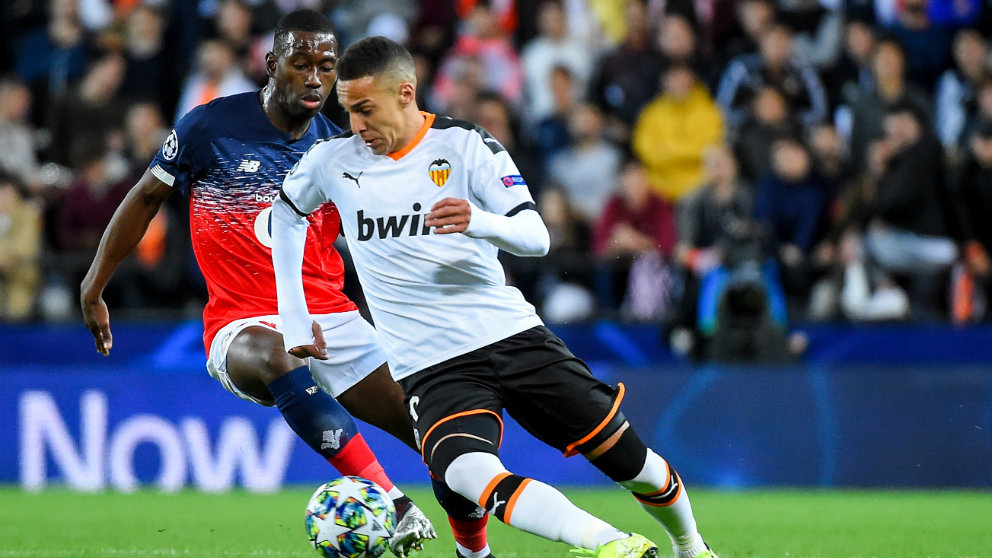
[(372, 56), (310, 21)]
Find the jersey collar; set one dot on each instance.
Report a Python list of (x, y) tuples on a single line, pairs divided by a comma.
[(428, 122)]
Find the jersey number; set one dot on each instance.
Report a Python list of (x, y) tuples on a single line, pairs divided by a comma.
[(263, 227)]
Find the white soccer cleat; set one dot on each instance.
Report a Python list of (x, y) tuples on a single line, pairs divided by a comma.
[(412, 529)]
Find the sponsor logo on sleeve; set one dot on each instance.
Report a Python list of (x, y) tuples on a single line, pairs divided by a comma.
[(513, 180), (170, 147)]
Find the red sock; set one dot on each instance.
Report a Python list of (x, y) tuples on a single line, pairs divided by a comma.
[(471, 533), (357, 459)]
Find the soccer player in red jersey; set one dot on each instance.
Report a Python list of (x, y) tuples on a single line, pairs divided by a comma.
[(229, 157)]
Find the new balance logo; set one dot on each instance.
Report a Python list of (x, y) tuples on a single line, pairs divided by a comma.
[(247, 165), (392, 226), (332, 439), (355, 178)]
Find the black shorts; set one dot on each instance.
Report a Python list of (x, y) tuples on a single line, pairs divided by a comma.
[(533, 375)]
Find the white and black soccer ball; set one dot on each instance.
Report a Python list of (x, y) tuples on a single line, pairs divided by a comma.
[(350, 517)]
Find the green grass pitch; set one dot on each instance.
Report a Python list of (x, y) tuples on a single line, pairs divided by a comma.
[(759, 523)]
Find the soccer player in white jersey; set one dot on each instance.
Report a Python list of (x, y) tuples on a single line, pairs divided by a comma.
[(426, 203)]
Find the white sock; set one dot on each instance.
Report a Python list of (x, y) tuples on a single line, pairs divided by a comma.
[(486, 551), (543, 510), (537, 507), (676, 516)]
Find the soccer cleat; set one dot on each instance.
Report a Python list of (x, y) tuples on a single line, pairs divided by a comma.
[(634, 546), (412, 529), (706, 553)]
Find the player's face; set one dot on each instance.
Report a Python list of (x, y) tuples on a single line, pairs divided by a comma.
[(376, 111), (303, 69)]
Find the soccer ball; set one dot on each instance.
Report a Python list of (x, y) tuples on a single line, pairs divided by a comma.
[(350, 517)]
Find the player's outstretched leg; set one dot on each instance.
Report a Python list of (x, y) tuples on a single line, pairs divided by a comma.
[(533, 506), (656, 486)]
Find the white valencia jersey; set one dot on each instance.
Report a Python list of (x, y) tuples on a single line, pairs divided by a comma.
[(432, 297)]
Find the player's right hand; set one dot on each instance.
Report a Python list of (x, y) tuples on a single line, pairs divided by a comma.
[(97, 319), (317, 350)]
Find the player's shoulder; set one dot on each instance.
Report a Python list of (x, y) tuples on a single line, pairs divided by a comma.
[(449, 125), (331, 144), (220, 116), (326, 151), (221, 108)]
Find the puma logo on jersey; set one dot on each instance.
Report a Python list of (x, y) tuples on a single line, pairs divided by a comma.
[(355, 178), (332, 439), (392, 226), (247, 165)]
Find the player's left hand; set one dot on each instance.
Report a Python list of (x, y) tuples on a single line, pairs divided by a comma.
[(317, 350), (450, 215)]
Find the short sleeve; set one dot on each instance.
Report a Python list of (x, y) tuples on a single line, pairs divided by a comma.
[(186, 152), (301, 187), (496, 182)]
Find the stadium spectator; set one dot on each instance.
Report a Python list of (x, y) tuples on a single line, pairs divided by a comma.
[(889, 88), (93, 112), (18, 142), (957, 89), (927, 44), (703, 218), (485, 44), (145, 129), (633, 241), (852, 74), (973, 186), (626, 77), (774, 65), (552, 48), (908, 232), (20, 250), (551, 133), (753, 18), (819, 30), (791, 202), (90, 200), (561, 283), (588, 169), (673, 131), (678, 44), (52, 58), (217, 74), (768, 120), (152, 72)]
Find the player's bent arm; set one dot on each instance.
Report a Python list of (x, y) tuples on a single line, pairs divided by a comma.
[(521, 234), (289, 236), (125, 230)]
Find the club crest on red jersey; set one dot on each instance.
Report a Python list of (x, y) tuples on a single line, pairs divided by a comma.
[(439, 171)]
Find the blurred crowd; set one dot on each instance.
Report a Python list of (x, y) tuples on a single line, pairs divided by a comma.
[(696, 160)]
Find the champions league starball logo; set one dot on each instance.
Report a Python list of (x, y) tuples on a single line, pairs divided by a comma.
[(170, 147)]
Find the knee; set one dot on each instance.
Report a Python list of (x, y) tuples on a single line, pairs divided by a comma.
[(470, 473)]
